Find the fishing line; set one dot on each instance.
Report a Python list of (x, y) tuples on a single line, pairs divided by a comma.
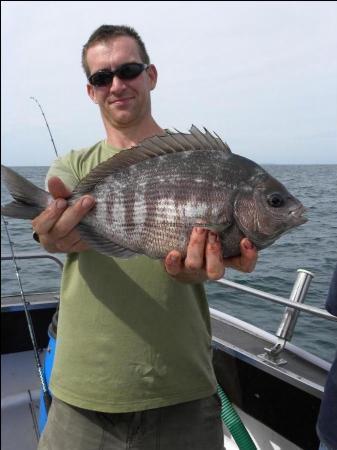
[(45, 119), (46, 393)]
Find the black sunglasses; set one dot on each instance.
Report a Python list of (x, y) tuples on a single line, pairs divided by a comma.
[(126, 71)]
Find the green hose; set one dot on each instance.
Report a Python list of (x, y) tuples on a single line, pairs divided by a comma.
[(233, 422)]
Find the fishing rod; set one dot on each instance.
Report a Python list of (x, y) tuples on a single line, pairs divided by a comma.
[(46, 394), (47, 398), (45, 119)]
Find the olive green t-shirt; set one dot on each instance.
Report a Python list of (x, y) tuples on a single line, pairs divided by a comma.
[(129, 336)]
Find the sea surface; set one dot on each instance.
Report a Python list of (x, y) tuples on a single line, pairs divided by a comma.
[(313, 247)]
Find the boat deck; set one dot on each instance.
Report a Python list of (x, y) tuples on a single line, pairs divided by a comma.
[(237, 347), (20, 387)]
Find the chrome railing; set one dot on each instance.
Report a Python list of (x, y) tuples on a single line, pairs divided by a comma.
[(293, 305), (281, 300), (29, 255)]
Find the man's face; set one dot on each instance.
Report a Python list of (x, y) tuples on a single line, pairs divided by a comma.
[(122, 103)]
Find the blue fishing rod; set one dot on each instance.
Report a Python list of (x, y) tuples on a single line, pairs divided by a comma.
[(47, 398), (44, 407), (46, 394)]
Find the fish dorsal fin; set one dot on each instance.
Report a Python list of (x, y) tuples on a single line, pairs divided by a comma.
[(208, 141), (152, 147)]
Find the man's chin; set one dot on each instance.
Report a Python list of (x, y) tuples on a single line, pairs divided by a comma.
[(122, 120)]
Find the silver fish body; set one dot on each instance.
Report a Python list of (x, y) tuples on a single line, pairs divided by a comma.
[(149, 198)]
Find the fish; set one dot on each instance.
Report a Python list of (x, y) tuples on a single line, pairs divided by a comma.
[(150, 196)]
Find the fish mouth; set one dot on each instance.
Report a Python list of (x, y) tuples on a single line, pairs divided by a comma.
[(297, 215)]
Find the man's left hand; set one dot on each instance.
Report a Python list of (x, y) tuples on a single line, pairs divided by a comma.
[(204, 259)]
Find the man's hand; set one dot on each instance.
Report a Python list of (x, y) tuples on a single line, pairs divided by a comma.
[(55, 226), (204, 259)]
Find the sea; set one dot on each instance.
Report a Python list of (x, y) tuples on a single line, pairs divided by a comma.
[(312, 246)]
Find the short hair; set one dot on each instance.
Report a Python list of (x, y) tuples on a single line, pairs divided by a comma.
[(106, 32)]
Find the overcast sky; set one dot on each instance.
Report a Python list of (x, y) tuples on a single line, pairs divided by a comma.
[(263, 75)]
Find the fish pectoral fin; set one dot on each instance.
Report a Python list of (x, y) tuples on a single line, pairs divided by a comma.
[(215, 227), (103, 245)]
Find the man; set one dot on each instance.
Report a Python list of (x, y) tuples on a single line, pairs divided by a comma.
[(133, 366)]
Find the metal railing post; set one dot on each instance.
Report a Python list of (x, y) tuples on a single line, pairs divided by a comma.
[(287, 325), (293, 306), (286, 328)]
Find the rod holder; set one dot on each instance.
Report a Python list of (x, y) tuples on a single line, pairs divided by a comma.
[(288, 322)]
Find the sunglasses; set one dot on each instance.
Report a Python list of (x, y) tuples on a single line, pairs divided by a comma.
[(127, 71)]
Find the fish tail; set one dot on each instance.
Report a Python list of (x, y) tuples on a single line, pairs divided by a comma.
[(29, 200)]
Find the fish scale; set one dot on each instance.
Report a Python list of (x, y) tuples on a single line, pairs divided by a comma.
[(171, 210), (149, 198)]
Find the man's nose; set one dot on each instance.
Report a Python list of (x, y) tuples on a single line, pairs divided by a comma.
[(117, 84)]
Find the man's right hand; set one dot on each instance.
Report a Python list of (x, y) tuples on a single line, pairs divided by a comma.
[(55, 226)]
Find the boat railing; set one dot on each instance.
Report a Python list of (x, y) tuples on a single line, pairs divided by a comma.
[(293, 305), (35, 298), (31, 255)]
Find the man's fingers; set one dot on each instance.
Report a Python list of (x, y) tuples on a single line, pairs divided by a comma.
[(70, 242), (79, 247), (249, 255), (71, 217), (57, 222), (173, 263), (247, 260), (57, 188), (196, 249), (55, 226), (215, 268), (45, 221)]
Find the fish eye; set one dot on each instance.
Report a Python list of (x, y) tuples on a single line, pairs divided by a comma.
[(275, 200)]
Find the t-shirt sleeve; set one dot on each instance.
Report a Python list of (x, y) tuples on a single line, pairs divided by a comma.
[(62, 169)]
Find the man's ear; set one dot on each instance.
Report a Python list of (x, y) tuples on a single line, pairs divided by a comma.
[(153, 75), (91, 92)]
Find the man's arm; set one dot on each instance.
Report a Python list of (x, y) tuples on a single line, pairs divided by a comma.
[(55, 226), (204, 259)]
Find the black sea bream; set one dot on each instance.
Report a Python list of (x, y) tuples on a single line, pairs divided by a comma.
[(149, 197)]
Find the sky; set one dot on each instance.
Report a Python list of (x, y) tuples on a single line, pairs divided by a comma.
[(262, 75)]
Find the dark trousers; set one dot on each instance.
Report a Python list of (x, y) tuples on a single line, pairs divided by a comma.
[(194, 425)]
